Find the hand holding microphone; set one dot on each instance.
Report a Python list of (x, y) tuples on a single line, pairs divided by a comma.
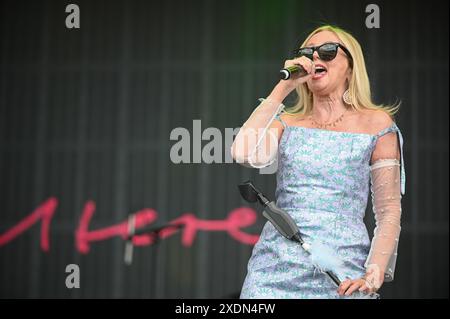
[(296, 71), (297, 68)]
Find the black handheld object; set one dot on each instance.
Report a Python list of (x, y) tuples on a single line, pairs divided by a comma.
[(279, 218), (282, 221), (286, 73), (154, 231)]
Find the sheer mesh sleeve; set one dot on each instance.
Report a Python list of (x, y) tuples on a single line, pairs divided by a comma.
[(386, 202), (256, 143), (387, 182)]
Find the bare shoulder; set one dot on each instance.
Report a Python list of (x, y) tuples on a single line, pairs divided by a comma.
[(387, 146), (374, 120)]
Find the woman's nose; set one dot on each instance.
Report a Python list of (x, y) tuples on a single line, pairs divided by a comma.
[(315, 56)]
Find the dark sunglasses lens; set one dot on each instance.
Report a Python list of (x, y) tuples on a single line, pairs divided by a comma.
[(305, 52), (327, 52)]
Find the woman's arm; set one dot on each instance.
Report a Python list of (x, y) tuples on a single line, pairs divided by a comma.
[(385, 175), (256, 143), (386, 202)]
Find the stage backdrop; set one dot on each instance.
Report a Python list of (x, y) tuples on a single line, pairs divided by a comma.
[(86, 116)]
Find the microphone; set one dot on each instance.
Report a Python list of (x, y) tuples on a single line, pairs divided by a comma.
[(132, 231), (286, 73), (281, 220)]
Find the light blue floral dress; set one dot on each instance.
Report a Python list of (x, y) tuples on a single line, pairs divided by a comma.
[(323, 182)]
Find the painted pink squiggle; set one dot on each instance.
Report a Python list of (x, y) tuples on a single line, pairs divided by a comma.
[(238, 218), (45, 212), (83, 237)]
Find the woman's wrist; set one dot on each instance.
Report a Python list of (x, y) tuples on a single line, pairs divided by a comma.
[(279, 93), (373, 279)]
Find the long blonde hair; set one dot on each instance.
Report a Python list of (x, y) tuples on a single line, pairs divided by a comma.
[(359, 85)]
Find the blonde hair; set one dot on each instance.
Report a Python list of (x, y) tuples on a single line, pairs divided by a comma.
[(359, 85)]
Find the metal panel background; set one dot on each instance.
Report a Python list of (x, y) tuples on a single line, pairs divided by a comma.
[(86, 115)]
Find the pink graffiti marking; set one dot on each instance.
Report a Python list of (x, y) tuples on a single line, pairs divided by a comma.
[(45, 212), (237, 219)]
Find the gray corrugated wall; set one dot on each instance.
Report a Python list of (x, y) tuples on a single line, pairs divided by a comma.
[(86, 115)]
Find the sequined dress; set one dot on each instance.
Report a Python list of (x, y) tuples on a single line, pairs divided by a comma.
[(323, 183)]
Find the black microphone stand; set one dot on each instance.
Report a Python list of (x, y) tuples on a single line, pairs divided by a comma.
[(154, 231)]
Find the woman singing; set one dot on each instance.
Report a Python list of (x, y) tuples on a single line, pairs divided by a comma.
[(332, 147)]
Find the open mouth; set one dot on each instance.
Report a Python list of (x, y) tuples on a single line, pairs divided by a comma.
[(319, 72), (320, 69)]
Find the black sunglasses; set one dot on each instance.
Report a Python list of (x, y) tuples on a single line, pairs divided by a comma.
[(326, 51)]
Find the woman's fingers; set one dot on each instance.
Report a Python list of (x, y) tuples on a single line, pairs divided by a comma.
[(350, 286), (344, 285), (306, 63), (354, 286), (364, 288)]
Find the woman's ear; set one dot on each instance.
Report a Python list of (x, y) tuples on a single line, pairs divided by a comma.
[(349, 75), (347, 81)]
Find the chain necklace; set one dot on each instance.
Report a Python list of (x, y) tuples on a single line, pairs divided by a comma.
[(322, 126)]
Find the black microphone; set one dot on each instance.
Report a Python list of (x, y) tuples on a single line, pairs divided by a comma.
[(281, 220), (286, 73)]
